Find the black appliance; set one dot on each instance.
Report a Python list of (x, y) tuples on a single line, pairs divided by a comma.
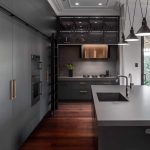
[(35, 79)]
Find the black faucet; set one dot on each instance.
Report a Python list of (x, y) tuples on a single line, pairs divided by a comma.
[(130, 77), (121, 76)]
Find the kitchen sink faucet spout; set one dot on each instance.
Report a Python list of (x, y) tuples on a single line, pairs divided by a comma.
[(121, 76), (130, 77)]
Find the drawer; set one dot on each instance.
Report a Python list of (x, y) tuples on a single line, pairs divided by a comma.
[(81, 85), (108, 82), (75, 84), (81, 94)]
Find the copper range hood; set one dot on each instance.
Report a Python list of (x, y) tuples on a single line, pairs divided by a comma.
[(95, 51)]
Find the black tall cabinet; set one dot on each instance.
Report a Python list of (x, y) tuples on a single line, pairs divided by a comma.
[(54, 99)]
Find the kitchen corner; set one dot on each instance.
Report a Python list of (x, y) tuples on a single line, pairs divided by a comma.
[(85, 71)]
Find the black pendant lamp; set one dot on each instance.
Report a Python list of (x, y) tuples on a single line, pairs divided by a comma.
[(132, 36), (144, 30), (122, 40)]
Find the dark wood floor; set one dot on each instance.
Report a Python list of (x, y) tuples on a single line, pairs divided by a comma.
[(72, 128)]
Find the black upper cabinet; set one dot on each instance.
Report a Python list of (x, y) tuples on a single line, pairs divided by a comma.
[(92, 30)]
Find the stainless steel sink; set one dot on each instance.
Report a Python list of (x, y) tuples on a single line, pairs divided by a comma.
[(111, 97)]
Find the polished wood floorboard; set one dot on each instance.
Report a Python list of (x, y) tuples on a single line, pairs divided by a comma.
[(71, 128)]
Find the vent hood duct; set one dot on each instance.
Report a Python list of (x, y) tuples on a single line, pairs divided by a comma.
[(95, 51)]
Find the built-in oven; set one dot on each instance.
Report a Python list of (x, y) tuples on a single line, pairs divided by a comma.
[(35, 92), (36, 84)]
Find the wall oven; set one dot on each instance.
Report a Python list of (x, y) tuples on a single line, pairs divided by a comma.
[(36, 84)]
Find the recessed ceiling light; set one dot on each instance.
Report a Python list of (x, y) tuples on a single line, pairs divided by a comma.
[(100, 4), (77, 4), (95, 21), (80, 22)]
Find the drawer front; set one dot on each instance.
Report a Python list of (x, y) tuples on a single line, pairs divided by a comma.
[(82, 94), (111, 82), (81, 85), (75, 84)]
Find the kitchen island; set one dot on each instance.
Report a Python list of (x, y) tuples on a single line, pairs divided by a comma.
[(123, 125)]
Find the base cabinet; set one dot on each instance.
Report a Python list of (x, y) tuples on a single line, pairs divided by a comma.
[(123, 138), (79, 90)]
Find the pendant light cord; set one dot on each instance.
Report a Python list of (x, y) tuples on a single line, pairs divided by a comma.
[(123, 26), (125, 14), (131, 23), (120, 14), (142, 9), (146, 8)]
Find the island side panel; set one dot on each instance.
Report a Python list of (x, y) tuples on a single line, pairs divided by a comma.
[(123, 138)]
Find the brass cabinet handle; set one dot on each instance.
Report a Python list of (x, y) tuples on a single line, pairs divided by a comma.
[(11, 90), (14, 89)]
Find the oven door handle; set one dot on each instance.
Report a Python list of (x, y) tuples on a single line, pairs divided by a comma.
[(41, 87)]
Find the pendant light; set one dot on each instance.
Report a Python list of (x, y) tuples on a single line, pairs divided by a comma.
[(144, 30), (123, 41), (132, 36)]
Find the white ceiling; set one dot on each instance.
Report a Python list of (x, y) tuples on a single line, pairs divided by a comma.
[(85, 7), (85, 3), (89, 7)]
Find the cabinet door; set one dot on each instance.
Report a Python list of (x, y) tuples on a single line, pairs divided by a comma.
[(5, 77), (44, 79), (65, 90), (20, 67), (20, 75)]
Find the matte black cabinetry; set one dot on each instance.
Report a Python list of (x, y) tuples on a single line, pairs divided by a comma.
[(123, 137), (88, 30), (79, 90)]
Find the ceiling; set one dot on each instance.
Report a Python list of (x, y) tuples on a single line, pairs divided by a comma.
[(85, 7)]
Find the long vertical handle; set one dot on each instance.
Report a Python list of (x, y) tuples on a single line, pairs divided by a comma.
[(41, 88), (11, 90), (47, 75), (14, 89)]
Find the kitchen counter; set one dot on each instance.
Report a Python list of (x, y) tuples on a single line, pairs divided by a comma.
[(123, 125), (134, 112), (81, 78)]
